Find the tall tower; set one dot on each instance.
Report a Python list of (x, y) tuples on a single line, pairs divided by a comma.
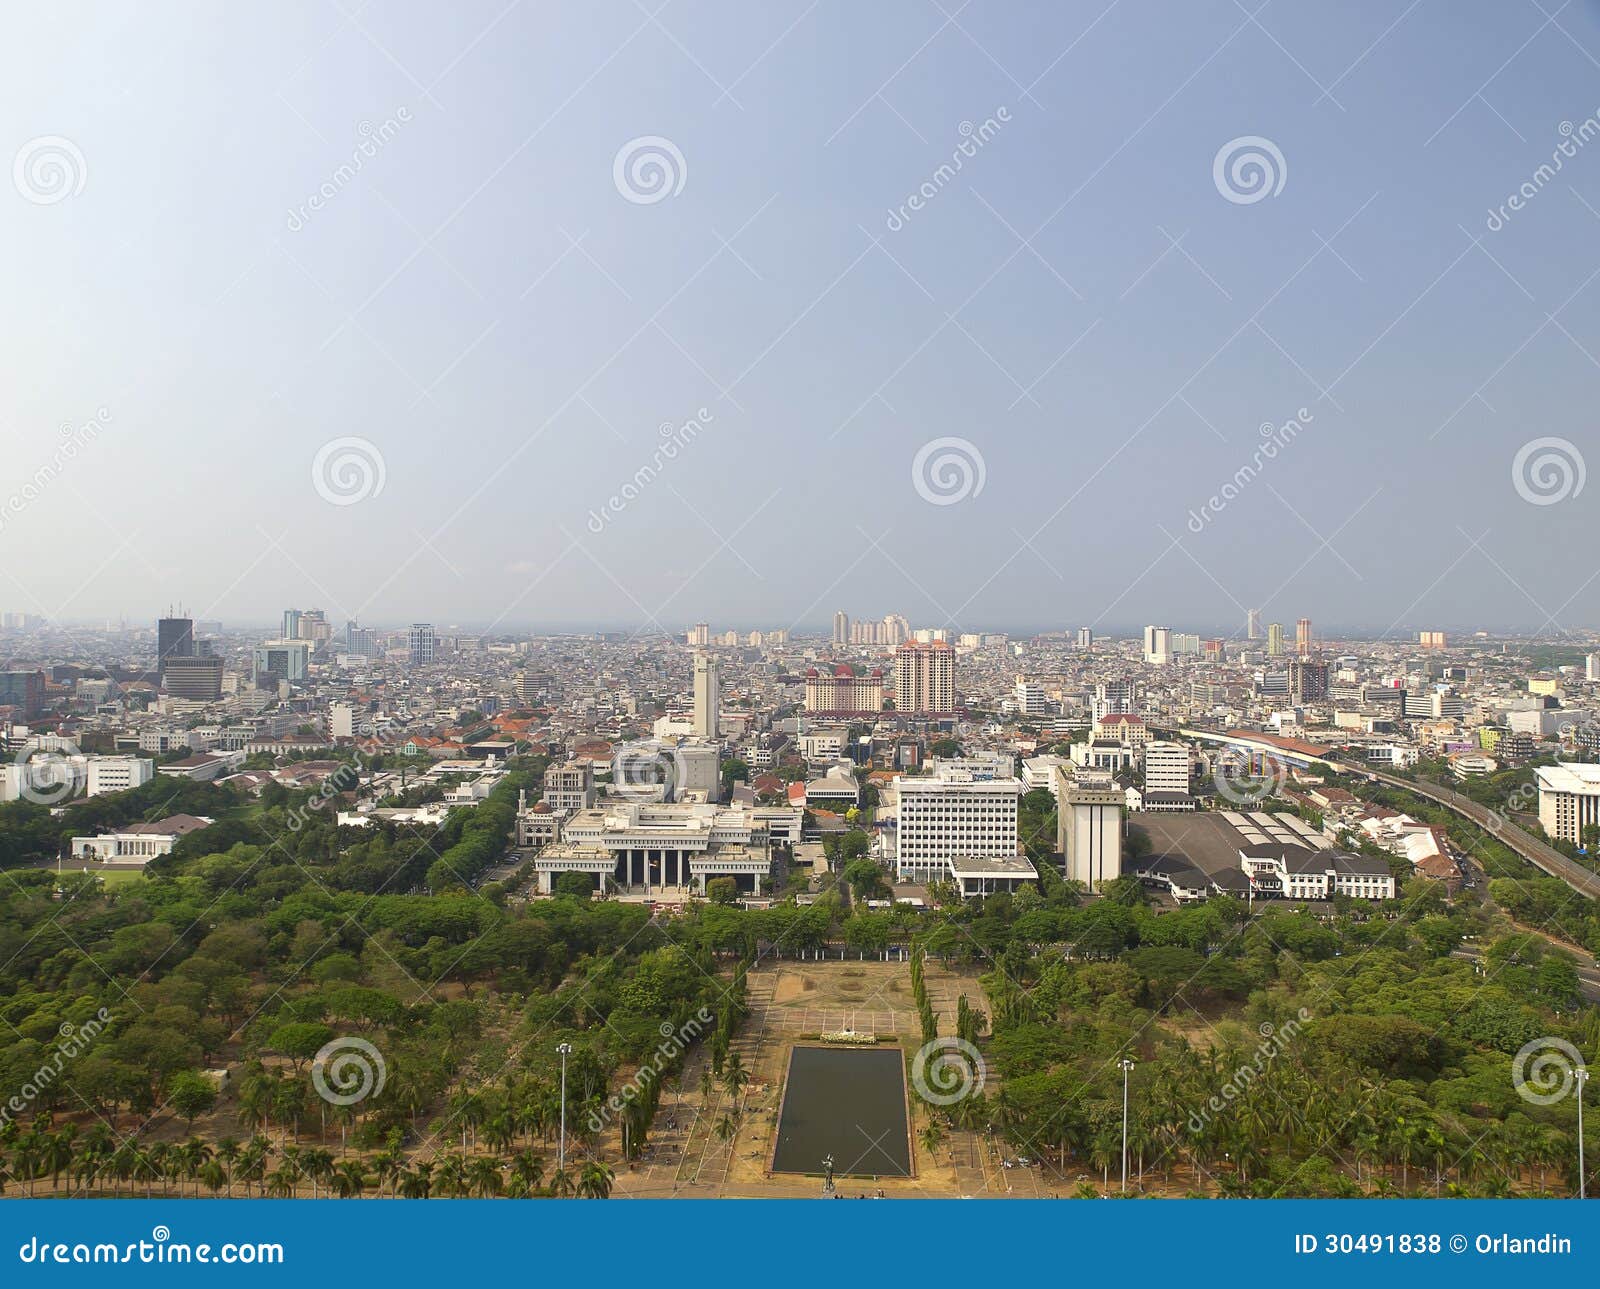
[(291, 625), (1275, 640), (1302, 637), (841, 627), (1252, 624), (174, 639), (925, 678), (707, 696), (423, 644)]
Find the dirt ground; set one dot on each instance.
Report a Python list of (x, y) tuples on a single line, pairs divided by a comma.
[(792, 1002)]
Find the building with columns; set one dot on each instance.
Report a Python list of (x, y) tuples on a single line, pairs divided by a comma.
[(652, 847)]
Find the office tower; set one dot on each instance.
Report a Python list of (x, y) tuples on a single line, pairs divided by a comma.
[(953, 814), (1302, 637), (423, 644), (1085, 638), (707, 696), (23, 690), (1275, 640), (1252, 624), (1308, 680), (925, 678), (1157, 645), (314, 627), (342, 720), (1569, 799), (1166, 768), (197, 678), (1089, 830), (174, 639), (700, 635), (291, 625), (1431, 639), (1113, 698), (1030, 698), (841, 627), (279, 660), (1591, 667), (359, 641)]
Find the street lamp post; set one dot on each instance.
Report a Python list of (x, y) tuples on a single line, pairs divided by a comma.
[(1583, 1077), (1127, 1068), (565, 1049)]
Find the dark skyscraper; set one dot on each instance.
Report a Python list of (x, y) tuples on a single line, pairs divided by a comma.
[(174, 639)]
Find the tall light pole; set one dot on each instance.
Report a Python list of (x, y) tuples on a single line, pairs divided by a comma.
[(561, 1149), (1583, 1077), (1127, 1068)]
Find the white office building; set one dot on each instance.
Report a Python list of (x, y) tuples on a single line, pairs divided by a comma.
[(1569, 799), (953, 815)]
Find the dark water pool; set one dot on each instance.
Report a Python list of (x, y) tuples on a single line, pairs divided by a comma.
[(848, 1103)]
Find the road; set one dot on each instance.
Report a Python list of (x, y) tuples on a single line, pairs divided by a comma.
[(1533, 850), (1588, 976)]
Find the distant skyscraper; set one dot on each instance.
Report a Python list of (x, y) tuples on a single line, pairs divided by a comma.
[(359, 641), (1252, 624), (1085, 638), (1591, 667), (700, 635), (423, 644), (1157, 645), (1302, 637), (925, 678), (707, 695), (174, 639), (841, 627), (291, 625), (1275, 640)]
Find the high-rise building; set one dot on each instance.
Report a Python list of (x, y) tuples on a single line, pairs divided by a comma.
[(1085, 638), (1157, 645), (841, 627), (1030, 698), (279, 660), (314, 627), (925, 678), (23, 690), (1166, 768), (342, 720), (359, 641), (1308, 680), (953, 815), (1302, 637), (1431, 639), (291, 625), (842, 693), (197, 678), (700, 635), (174, 639), (423, 644), (1275, 640), (707, 696), (1591, 667), (1252, 624), (1089, 829)]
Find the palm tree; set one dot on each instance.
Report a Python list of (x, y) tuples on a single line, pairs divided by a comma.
[(560, 1183), (452, 1176), (735, 1076), (932, 1137), (528, 1168), (417, 1183), (483, 1175), (349, 1179), (595, 1181), (228, 1152), (317, 1165), (213, 1175)]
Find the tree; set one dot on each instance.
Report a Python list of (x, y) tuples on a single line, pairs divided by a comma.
[(191, 1094), (723, 890), (578, 886)]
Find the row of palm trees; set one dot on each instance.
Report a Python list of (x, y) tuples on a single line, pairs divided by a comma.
[(39, 1159), (1293, 1130)]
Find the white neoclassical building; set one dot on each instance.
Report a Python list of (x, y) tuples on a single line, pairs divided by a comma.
[(654, 846)]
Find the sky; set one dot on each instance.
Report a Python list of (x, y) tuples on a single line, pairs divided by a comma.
[(591, 314)]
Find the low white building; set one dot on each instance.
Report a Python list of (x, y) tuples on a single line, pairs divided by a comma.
[(138, 843)]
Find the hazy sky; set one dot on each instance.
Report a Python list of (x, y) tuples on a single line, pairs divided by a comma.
[(502, 310)]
